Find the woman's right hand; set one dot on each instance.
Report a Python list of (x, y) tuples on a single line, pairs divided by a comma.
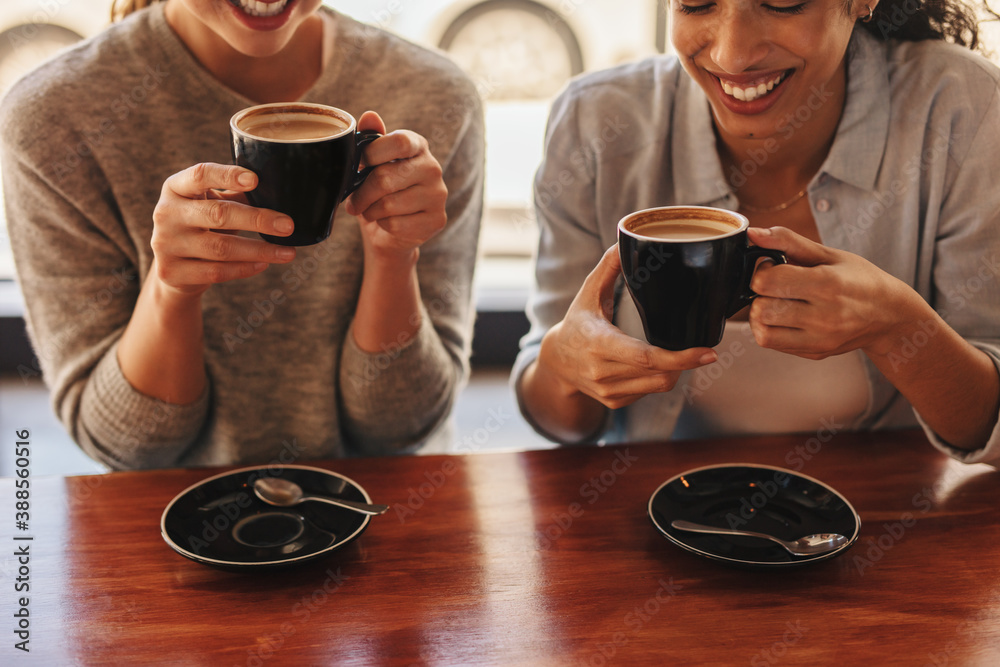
[(194, 225), (587, 353)]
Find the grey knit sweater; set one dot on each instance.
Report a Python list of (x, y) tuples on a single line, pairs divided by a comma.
[(88, 140)]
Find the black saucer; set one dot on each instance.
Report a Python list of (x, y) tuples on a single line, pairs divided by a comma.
[(752, 497), (220, 521)]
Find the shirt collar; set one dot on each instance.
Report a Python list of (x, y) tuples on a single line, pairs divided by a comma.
[(859, 144)]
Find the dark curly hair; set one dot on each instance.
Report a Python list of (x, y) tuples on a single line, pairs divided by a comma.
[(917, 20)]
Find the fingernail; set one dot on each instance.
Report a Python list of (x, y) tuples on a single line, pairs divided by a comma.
[(762, 231), (245, 179), (708, 358), (260, 266), (284, 226), (285, 253)]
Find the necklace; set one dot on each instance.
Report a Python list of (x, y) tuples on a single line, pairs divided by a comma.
[(774, 209)]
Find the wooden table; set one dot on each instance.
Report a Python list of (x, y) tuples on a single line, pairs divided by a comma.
[(543, 557)]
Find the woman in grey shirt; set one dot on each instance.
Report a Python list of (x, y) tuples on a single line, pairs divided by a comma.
[(855, 138), (168, 343)]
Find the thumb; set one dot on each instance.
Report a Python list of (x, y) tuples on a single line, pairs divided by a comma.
[(598, 290), (371, 121), (798, 249)]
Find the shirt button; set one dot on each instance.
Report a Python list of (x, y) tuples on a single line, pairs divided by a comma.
[(823, 205)]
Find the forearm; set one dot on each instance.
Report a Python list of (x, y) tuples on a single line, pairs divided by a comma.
[(161, 352), (388, 310), (396, 361), (557, 409), (952, 384)]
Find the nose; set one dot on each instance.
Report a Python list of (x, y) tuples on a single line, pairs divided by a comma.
[(736, 43)]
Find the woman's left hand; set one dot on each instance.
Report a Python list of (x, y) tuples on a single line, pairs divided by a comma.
[(401, 204), (825, 301)]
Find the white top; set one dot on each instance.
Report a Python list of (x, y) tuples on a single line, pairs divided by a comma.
[(754, 390)]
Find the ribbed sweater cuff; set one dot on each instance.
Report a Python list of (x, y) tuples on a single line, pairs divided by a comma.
[(133, 430), (394, 398)]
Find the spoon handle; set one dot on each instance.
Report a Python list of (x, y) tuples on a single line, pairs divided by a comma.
[(692, 527), (364, 508)]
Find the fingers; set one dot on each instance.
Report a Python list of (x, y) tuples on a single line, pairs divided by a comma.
[(394, 146), (402, 160), (394, 209), (782, 281), (370, 120), (639, 356), (207, 196), (599, 287), (194, 182), (223, 248), (195, 275), (198, 203), (788, 340), (223, 215), (797, 248), (620, 382), (590, 353)]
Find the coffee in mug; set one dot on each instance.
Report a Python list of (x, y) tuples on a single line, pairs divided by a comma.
[(306, 157), (688, 270)]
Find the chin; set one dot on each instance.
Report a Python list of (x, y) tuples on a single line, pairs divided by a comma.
[(258, 48), (741, 127)]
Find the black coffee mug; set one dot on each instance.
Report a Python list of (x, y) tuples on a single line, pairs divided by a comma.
[(688, 269), (306, 157)]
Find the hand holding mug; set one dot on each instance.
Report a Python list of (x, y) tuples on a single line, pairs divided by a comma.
[(826, 301), (589, 354), (194, 224), (402, 203)]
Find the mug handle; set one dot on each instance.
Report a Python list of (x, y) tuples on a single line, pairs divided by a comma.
[(361, 139), (747, 295)]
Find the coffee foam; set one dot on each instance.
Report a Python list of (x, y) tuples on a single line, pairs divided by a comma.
[(683, 230), (292, 125), (656, 223)]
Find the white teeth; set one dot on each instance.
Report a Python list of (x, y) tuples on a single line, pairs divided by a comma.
[(257, 8), (750, 93)]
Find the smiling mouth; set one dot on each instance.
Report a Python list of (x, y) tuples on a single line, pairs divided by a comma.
[(257, 8), (747, 92)]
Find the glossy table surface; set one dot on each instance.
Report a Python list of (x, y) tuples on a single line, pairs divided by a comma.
[(542, 557)]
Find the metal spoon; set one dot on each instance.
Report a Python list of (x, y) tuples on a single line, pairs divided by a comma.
[(284, 493), (810, 545)]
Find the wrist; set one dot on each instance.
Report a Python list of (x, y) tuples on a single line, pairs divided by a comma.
[(170, 299), (913, 324), (390, 264), (548, 369)]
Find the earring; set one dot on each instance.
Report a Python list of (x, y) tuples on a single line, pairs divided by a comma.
[(868, 19)]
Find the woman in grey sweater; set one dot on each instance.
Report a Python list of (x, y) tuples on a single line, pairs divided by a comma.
[(167, 330)]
